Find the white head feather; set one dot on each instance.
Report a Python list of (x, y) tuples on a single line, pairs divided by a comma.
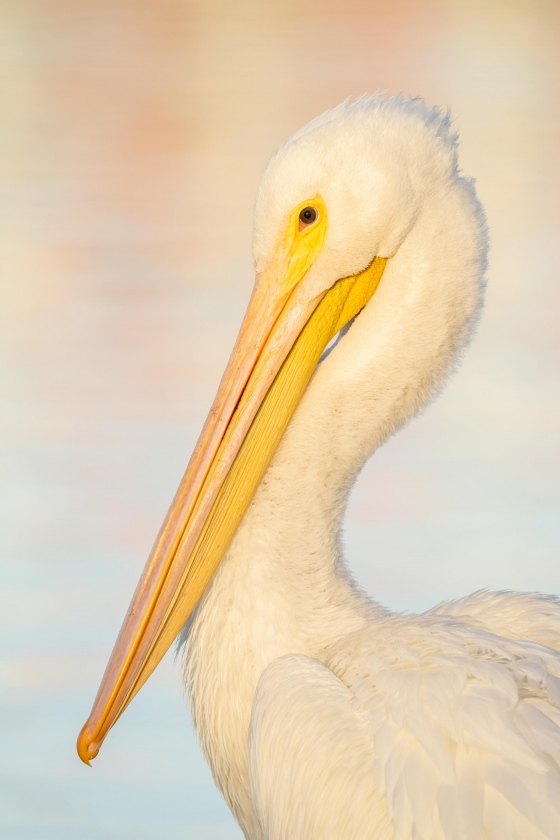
[(388, 173), (375, 161)]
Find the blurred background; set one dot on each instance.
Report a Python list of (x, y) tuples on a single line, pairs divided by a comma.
[(132, 138)]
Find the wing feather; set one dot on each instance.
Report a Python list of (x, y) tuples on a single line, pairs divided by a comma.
[(430, 731), (513, 615), (310, 758), (465, 726)]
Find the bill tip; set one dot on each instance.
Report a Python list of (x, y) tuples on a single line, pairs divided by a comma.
[(86, 747)]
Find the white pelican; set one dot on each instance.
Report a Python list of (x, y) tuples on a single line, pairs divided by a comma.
[(322, 714)]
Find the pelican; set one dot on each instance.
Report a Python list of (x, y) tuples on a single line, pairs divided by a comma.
[(324, 716)]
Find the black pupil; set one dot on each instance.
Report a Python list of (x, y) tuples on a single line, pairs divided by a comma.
[(308, 215)]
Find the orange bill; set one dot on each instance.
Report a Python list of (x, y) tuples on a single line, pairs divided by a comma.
[(282, 337)]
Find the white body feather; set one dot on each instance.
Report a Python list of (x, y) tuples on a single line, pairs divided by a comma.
[(321, 714)]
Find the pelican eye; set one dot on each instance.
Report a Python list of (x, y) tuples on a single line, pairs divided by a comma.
[(307, 217)]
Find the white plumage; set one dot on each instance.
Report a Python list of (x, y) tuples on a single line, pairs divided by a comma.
[(324, 716), (321, 714)]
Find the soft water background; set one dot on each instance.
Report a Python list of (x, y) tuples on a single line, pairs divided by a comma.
[(132, 138)]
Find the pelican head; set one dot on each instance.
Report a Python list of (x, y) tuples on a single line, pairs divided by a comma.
[(353, 218), (370, 179)]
